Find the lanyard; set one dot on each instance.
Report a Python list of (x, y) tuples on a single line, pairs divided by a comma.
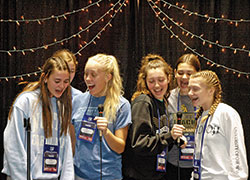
[(51, 151), (90, 98), (202, 140), (162, 157), (58, 126), (88, 128), (159, 116)]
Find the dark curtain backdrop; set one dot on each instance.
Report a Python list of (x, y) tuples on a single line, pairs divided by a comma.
[(135, 32)]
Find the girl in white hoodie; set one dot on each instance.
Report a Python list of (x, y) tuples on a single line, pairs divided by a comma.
[(47, 103)]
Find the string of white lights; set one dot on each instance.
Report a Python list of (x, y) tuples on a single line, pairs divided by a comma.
[(23, 51), (21, 76), (214, 19), (97, 36), (153, 5), (204, 41), (39, 20)]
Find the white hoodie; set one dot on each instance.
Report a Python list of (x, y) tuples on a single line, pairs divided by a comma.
[(15, 141)]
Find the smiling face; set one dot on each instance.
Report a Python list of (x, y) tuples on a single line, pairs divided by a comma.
[(200, 93), (157, 82), (182, 74), (57, 82), (96, 79)]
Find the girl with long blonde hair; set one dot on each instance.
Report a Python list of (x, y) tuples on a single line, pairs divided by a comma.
[(100, 135)]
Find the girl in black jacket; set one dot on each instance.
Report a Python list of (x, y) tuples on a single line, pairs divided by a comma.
[(149, 136)]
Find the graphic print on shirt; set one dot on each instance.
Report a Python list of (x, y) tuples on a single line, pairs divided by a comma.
[(163, 124), (236, 149), (184, 108), (212, 129)]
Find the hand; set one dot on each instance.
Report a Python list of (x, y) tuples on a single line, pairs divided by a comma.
[(185, 142), (177, 131), (102, 124)]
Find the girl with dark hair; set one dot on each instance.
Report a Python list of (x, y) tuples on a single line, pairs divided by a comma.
[(182, 158), (70, 58)]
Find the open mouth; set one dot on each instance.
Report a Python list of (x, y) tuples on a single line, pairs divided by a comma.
[(58, 91), (184, 84), (158, 92), (194, 100), (90, 87)]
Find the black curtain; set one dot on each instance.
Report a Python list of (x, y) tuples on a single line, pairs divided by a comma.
[(134, 31)]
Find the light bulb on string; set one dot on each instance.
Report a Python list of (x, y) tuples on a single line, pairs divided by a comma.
[(193, 35), (222, 18), (193, 50)]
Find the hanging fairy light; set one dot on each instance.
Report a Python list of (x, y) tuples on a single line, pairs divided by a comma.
[(82, 46), (55, 41), (39, 20), (186, 11), (209, 61), (21, 76), (97, 36), (200, 37)]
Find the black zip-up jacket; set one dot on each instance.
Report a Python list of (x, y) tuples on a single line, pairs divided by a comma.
[(143, 142)]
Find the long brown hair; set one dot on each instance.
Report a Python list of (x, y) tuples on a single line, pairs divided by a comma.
[(151, 61), (65, 107)]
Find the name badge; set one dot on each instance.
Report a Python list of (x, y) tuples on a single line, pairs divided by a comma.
[(50, 159), (88, 129), (196, 169), (161, 161), (187, 153)]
